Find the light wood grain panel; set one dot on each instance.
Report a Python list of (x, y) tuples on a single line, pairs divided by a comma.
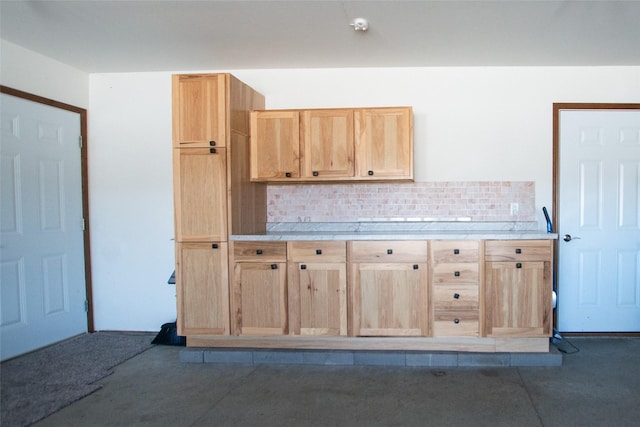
[(275, 145), (518, 250), (260, 300), (317, 251), (518, 299), (456, 324), (202, 288), (327, 149), (384, 143), (455, 297), (455, 273), (454, 251), (388, 251), (200, 194), (259, 251), (199, 110)]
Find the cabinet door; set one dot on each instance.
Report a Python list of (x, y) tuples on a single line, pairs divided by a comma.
[(384, 143), (389, 299), (275, 145), (200, 194), (518, 299), (327, 149), (318, 298), (199, 107), (260, 298), (202, 288)]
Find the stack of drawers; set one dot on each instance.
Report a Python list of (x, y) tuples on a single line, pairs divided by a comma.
[(455, 278)]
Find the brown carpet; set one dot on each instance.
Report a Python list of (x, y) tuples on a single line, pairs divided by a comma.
[(38, 384)]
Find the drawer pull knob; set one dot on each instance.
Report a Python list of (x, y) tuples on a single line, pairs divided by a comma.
[(370, 173), (212, 143), (274, 266), (518, 250), (214, 246), (258, 251), (457, 274), (416, 266), (318, 251), (315, 173), (456, 251), (212, 150), (389, 251), (518, 265), (303, 266), (456, 295), (287, 174), (456, 321)]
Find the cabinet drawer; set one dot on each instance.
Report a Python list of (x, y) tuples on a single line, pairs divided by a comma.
[(388, 251), (518, 250), (260, 251), (455, 251), (455, 297), (455, 273), (321, 251), (456, 324)]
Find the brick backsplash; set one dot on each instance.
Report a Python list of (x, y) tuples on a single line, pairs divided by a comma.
[(469, 200)]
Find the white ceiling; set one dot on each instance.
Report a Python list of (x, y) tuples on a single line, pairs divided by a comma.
[(120, 36)]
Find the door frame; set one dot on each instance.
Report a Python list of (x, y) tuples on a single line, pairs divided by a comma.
[(85, 186), (557, 108)]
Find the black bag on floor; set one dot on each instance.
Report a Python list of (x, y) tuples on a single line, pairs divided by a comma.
[(168, 335)]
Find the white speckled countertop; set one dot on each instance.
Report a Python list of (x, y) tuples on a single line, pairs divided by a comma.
[(400, 230)]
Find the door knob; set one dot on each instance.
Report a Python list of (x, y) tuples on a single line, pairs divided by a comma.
[(568, 238)]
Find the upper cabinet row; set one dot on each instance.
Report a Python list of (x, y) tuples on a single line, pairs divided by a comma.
[(332, 144)]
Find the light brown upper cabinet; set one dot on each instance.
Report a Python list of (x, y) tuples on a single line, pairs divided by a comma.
[(275, 148), (327, 144), (199, 110), (342, 144), (384, 143)]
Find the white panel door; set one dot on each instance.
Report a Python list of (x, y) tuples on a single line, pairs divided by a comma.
[(599, 220), (42, 282)]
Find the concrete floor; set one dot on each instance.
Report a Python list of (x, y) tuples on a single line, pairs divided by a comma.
[(597, 386)]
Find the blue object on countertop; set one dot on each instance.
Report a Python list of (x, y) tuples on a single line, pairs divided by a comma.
[(546, 215)]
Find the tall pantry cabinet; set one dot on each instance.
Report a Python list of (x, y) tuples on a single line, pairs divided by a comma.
[(212, 193)]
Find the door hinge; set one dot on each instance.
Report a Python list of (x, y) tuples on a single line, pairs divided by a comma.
[(86, 306), (80, 141)]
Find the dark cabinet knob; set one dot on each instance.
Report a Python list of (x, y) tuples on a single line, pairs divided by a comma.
[(416, 266), (370, 173), (214, 246), (389, 251), (456, 321), (456, 251), (212, 143), (457, 274), (287, 174), (315, 173), (258, 251), (212, 150), (274, 266), (318, 251), (518, 265), (303, 266), (518, 250), (456, 295)]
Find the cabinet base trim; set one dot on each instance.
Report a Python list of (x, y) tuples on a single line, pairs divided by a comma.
[(460, 344)]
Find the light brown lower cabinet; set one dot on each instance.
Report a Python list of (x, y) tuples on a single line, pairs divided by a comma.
[(259, 296), (389, 287), (518, 285), (317, 285), (202, 291)]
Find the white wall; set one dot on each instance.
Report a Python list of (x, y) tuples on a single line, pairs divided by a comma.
[(470, 124), (40, 75)]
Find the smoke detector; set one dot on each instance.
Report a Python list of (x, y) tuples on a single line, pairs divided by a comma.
[(360, 24)]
